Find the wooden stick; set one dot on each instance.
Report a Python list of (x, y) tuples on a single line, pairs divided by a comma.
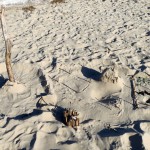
[(8, 46), (135, 105)]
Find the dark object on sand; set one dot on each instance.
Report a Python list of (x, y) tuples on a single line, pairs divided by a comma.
[(70, 118), (28, 8), (57, 1), (8, 46)]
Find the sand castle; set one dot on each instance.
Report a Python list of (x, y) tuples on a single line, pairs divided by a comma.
[(70, 118)]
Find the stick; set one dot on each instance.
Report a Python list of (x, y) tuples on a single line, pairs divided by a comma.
[(135, 105), (8, 46), (41, 98)]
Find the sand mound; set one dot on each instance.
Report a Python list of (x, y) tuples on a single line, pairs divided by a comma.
[(64, 133), (21, 97), (50, 99), (14, 87), (109, 83), (146, 142), (145, 126), (98, 89), (3, 68), (44, 140), (125, 141)]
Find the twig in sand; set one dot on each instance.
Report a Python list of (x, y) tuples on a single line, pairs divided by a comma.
[(28, 8), (70, 88), (84, 79), (135, 105), (41, 98), (8, 46), (76, 77), (57, 1), (64, 70), (65, 85), (126, 101), (85, 88)]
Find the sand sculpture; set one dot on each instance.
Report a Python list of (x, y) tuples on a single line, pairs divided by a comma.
[(70, 118)]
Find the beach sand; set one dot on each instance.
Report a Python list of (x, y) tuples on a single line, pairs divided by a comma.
[(80, 55)]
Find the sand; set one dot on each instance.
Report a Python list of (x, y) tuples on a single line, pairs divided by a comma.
[(80, 55)]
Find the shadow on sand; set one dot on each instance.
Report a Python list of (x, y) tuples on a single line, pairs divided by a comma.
[(35, 112), (58, 114), (2, 81), (91, 73), (114, 132), (135, 139), (136, 142)]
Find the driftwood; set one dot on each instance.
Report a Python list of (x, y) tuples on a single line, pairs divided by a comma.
[(57, 1), (8, 46), (135, 104), (28, 8)]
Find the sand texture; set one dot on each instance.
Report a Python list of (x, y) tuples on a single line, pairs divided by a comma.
[(89, 55)]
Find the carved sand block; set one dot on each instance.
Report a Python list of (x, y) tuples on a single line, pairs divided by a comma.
[(70, 118)]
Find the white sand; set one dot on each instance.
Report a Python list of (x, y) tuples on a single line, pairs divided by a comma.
[(78, 54)]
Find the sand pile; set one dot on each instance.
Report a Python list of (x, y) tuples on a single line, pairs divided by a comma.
[(108, 84)]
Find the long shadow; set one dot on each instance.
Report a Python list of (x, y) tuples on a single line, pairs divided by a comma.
[(111, 132), (54, 62), (2, 81), (68, 142), (58, 113), (91, 73), (137, 125), (143, 93), (114, 132), (33, 141), (109, 100), (35, 112), (86, 121)]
